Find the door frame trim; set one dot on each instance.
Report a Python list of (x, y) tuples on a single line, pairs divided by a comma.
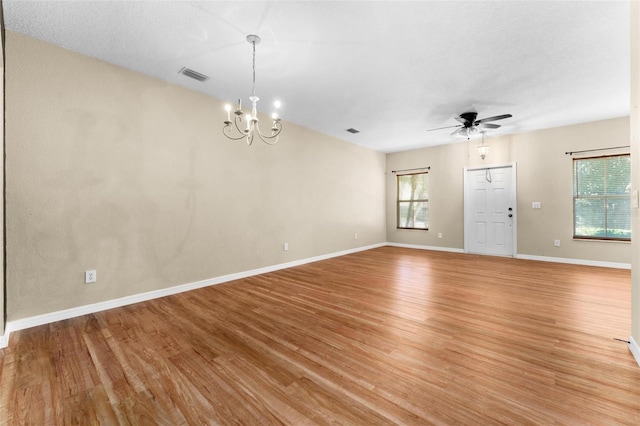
[(514, 194)]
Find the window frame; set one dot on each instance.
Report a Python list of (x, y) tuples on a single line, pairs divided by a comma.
[(605, 197), (417, 200)]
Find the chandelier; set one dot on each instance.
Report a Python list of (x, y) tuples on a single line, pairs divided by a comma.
[(236, 129)]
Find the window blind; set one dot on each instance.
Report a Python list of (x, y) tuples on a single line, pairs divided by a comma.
[(601, 197)]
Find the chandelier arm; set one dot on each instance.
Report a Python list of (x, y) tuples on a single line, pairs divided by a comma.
[(269, 140), (228, 129), (229, 136), (236, 120), (275, 133), (276, 129)]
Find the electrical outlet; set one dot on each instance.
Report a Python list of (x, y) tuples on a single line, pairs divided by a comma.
[(285, 247), (556, 243), (90, 276), (439, 234), (535, 205), (355, 236)]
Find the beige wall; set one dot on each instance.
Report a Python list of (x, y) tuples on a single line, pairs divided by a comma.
[(445, 196), (111, 170), (544, 174), (635, 164)]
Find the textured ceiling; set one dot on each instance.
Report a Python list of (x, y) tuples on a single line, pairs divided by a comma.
[(391, 69)]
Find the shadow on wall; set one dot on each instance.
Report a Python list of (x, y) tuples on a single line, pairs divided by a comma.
[(129, 221)]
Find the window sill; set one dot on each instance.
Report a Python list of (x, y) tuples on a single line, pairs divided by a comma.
[(597, 240)]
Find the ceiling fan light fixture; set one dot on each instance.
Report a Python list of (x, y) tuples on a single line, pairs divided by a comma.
[(483, 149)]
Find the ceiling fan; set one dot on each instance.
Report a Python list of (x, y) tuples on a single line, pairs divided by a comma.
[(470, 125)]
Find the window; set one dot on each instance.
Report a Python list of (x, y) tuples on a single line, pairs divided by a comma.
[(413, 199), (601, 198)]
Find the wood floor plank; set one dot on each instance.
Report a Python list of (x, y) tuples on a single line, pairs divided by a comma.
[(384, 336), (227, 405), (89, 408)]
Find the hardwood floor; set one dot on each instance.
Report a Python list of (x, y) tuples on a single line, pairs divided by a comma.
[(385, 336)]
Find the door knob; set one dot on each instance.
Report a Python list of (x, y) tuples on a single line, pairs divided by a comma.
[(510, 215)]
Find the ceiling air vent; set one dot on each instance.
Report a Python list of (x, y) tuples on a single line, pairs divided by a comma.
[(352, 130), (193, 74)]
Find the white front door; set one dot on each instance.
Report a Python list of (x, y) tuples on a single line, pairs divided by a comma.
[(490, 210)]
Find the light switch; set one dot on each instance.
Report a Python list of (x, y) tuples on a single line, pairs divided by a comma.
[(635, 199), (535, 205)]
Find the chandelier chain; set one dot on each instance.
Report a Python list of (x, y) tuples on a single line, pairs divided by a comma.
[(253, 93)]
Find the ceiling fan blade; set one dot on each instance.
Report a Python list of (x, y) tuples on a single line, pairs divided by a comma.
[(440, 128), (494, 118), (460, 119), (488, 126), (460, 130)]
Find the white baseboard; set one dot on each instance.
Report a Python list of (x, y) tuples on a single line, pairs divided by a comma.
[(525, 256), (4, 340), (24, 323), (575, 261), (419, 247), (635, 349)]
